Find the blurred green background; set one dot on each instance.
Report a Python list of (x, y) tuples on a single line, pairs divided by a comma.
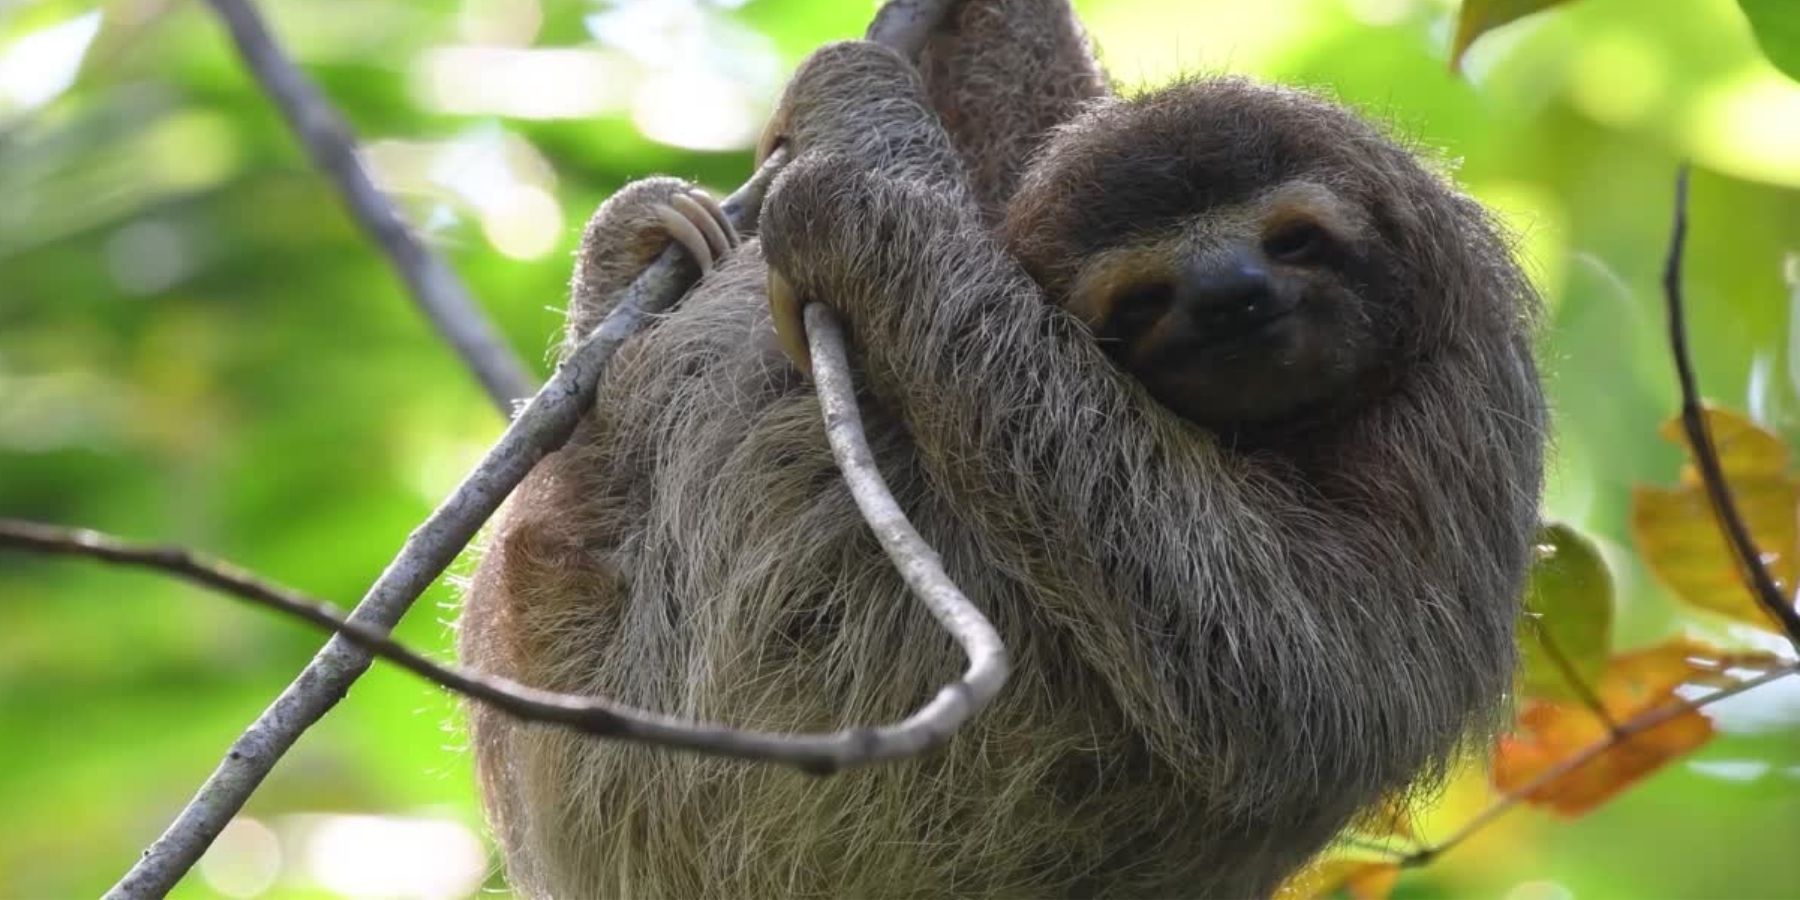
[(197, 345)]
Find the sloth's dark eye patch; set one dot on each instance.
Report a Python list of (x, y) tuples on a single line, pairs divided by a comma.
[(1297, 243), (1138, 307)]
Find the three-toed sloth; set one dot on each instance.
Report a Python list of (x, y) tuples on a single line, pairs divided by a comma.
[(1215, 399)]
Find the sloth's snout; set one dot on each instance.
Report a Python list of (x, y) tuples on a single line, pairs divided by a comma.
[(1228, 295)]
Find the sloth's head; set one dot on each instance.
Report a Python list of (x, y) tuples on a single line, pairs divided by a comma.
[(1256, 256)]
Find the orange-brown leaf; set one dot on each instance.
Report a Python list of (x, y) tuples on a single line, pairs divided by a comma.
[(1680, 539), (1539, 759), (1359, 879)]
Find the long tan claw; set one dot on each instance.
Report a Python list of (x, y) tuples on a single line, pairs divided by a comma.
[(703, 218), (790, 327), (774, 134), (686, 233), (717, 213)]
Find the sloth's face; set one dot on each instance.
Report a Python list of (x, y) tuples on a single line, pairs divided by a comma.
[(1241, 315)]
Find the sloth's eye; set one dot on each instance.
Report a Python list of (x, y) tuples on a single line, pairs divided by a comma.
[(1297, 243), (1139, 307)]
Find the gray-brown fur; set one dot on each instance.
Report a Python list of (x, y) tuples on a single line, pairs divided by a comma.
[(1220, 654), (1001, 74)]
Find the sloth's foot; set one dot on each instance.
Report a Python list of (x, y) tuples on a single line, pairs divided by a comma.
[(697, 222)]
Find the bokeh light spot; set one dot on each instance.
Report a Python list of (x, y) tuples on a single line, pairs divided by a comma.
[(1750, 127), (1617, 79), (524, 223), (244, 861)]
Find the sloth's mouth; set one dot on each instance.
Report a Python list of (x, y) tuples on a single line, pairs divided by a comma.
[(1255, 328)]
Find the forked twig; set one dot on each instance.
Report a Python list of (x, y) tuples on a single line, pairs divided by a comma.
[(1706, 455), (540, 428)]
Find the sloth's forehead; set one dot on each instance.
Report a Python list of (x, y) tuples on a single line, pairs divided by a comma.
[(1150, 193)]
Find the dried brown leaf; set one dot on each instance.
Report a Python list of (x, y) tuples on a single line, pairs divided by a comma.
[(1550, 733)]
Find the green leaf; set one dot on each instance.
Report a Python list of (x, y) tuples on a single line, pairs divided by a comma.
[(1777, 27), (1478, 17), (1569, 609)]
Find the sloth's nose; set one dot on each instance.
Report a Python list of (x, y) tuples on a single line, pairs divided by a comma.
[(1224, 295)]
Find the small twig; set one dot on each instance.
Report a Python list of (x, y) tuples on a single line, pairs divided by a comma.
[(1571, 677), (433, 286), (1628, 729), (542, 427), (817, 753), (1706, 456)]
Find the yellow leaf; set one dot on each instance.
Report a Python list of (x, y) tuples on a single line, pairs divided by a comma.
[(1680, 539), (1359, 879), (1746, 449)]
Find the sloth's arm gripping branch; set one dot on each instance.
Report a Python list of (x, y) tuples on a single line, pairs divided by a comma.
[(1006, 397)]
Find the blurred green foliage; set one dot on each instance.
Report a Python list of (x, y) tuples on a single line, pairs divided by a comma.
[(197, 345)]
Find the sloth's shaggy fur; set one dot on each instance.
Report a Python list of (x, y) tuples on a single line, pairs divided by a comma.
[(1220, 655)]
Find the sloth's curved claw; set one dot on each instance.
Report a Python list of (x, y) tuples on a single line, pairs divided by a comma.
[(773, 137), (699, 225), (685, 233), (703, 211), (790, 326)]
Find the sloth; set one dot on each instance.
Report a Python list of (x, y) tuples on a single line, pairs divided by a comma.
[(1218, 401)]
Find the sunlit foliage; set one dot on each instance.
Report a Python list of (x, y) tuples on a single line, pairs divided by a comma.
[(197, 345)]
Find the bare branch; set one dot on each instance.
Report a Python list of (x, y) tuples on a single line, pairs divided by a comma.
[(1706, 455), (1626, 730), (540, 428), (915, 559), (817, 753), (543, 426), (433, 286)]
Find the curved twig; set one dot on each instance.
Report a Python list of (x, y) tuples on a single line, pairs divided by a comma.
[(917, 562), (540, 428)]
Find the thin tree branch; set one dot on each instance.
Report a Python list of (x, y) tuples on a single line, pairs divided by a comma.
[(1572, 678), (1706, 455), (433, 286), (542, 427), (1628, 729), (817, 753)]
